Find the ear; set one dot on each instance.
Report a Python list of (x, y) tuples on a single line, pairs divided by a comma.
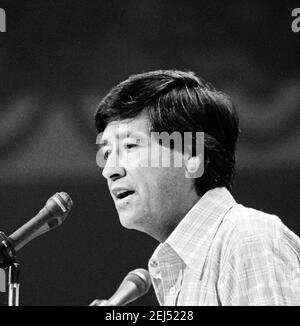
[(194, 160), (194, 166)]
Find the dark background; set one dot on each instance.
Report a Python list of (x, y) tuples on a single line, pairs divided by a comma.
[(58, 58)]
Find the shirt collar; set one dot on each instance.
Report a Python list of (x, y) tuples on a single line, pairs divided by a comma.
[(193, 236)]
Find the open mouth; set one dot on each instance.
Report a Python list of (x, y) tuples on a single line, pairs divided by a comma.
[(124, 194)]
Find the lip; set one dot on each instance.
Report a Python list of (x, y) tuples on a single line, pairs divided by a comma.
[(115, 191), (123, 202), (124, 199)]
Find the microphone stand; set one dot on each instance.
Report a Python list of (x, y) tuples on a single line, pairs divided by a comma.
[(14, 284), (8, 262)]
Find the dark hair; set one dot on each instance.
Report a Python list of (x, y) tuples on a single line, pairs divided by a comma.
[(180, 101)]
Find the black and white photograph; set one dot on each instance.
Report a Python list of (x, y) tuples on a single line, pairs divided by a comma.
[(149, 154)]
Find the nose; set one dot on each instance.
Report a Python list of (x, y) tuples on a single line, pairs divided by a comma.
[(113, 168)]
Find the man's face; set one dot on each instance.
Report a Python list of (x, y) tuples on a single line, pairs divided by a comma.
[(149, 199)]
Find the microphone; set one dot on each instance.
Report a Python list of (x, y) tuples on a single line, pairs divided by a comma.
[(48, 218), (136, 284)]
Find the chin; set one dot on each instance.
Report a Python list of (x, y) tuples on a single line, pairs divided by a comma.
[(132, 222), (128, 221)]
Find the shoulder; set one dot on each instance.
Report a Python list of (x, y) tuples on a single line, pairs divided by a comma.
[(246, 230), (248, 222), (260, 256)]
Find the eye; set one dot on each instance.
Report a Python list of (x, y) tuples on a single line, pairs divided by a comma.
[(105, 155), (130, 145)]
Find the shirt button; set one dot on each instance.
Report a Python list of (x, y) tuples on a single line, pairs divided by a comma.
[(172, 290), (154, 263)]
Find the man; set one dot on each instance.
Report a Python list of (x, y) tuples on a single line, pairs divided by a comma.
[(212, 250)]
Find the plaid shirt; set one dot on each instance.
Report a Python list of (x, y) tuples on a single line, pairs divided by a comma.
[(223, 253)]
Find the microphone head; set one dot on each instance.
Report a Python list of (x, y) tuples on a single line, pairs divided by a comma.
[(48, 218), (141, 278), (135, 284), (58, 206)]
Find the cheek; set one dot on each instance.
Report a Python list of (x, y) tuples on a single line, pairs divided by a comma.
[(162, 183), (150, 183), (156, 184), (138, 159)]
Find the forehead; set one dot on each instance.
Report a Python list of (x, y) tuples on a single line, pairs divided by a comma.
[(127, 128)]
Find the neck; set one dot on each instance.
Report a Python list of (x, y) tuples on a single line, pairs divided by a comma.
[(165, 230)]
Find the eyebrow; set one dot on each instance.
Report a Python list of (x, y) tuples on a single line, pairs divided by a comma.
[(102, 143)]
